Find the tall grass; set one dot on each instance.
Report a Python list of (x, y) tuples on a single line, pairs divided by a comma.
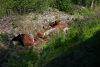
[(12, 7), (22, 57), (85, 12)]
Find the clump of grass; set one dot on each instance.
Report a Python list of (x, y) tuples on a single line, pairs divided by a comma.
[(85, 12), (26, 57), (14, 24), (35, 17), (77, 19)]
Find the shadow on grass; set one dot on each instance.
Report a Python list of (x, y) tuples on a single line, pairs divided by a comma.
[(86, 54), (4, 51)]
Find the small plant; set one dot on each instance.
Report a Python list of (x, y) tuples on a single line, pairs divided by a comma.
[(76, 19), (71, 12), (14, 24), (3, 36), (56, 16), (35, 17)]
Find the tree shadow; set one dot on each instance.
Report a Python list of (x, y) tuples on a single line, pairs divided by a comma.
[(85, 54), (4, 48)]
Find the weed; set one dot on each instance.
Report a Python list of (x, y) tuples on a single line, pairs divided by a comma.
[(35, 17), (14, 24)]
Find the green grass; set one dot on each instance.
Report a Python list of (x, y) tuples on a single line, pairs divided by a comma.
[(83, 54), (13, 7), (85, 12), (14, 24), (77, 34), (22, 57), (35, 17)]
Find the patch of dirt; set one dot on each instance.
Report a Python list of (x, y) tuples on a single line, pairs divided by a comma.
[(6, 23)]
